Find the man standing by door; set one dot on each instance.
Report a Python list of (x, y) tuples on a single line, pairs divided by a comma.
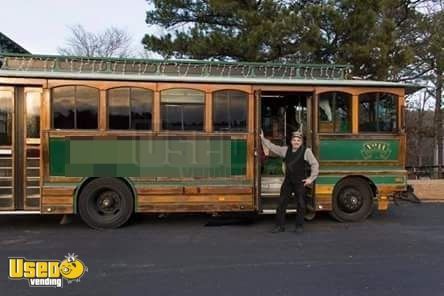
[(295, 179)]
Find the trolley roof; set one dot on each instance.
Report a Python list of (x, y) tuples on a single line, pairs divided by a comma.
[(74, 67)]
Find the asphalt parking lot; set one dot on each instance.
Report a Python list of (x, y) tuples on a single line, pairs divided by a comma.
[(400, 252)]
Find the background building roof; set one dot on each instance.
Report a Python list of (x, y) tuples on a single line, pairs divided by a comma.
[(8, 45)]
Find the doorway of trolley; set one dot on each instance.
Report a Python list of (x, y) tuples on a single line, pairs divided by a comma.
[(279, 114)]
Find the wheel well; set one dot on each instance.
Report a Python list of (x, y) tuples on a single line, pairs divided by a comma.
[(87, 180), (366, 179)]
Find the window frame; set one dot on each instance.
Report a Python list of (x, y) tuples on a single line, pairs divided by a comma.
[(203, 104), (106, 113), (213, 99), (397, 100), (11, 98), (350, 113), (51, 108)]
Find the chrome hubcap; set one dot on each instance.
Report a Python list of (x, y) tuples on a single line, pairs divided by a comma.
[(350, 200)]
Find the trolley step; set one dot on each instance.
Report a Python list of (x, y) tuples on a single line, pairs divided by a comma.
[(20, 212)]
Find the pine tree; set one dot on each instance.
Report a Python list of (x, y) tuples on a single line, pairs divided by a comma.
[(372, 35), (223, 29)]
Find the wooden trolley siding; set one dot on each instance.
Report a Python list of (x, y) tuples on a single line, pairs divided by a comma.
[(58, 193)]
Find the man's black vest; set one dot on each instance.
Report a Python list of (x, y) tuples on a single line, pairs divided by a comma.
[(295, 164)]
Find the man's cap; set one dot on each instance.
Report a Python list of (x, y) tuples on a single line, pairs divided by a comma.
[(297, 134)]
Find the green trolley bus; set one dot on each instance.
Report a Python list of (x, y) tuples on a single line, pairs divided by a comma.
[(106, 138)]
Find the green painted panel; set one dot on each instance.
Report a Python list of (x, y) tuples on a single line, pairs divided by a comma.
[(149, 158), (238, 157), (378, 180), (353, 149), (58, 157), (366, 168)]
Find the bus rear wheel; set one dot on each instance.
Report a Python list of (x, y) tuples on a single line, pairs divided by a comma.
[(352, 200), (105, 203)]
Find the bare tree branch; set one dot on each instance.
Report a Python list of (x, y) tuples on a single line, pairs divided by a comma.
[(113, 42)]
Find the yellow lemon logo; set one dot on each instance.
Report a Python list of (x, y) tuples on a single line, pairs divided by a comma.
[(72, 268)]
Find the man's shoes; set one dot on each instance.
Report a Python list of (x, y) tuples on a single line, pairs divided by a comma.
[(298, 229), (278, 229)]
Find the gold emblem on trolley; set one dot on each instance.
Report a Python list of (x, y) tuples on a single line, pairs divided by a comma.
[(376, 151)]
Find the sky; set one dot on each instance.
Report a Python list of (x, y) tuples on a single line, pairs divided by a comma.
[(41, 26)]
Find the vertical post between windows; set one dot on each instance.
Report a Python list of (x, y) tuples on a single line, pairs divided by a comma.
[(315, 110), (45, 125), (208, 116), (355, 114), (156, 111), (75, 107), (45, 116), (376, 110), (182, 124), (251, 112), (400, 100), (102, 110), (130, 107), (310, 134)]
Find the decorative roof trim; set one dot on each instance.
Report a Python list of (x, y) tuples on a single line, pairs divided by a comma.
[(166, 78), (171, 68)]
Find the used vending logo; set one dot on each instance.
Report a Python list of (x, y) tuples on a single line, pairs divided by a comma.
[(47, 273)]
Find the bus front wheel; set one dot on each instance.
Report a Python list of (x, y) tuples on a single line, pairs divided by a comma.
[(105, 203), (352, 200)]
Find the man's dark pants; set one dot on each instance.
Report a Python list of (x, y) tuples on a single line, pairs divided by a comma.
[(287, 188)]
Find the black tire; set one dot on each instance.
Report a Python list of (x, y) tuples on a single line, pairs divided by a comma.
[(352, 200), (105, 203)]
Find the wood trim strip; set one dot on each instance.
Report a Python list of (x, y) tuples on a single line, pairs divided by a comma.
[(283, 88), (204, 190), (58, 191), (362, 172), (56, 209), (196, 208), (102, 110), (61, 179), (225, 190), (316, 137), (100, 84), (44, 126), (251, 112), (79, 135), (24, 81), (7, 88), (325, 163), (251, 150), (57, 200), (355, 114), (184, 199), (156, 111), (208, 116), (205, 87), (357, 90), (191, 190), (159, 190)]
